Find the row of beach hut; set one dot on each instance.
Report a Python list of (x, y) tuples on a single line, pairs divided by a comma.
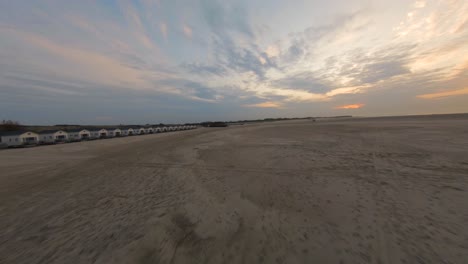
[(25, 138)]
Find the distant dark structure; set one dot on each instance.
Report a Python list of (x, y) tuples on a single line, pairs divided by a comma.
[(214, 124), (10, 125)]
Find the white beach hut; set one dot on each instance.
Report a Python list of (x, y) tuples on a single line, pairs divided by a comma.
[(139, 131), (127, 131), (52, 136), (78, 134), (114, 132), (19, 138), (98, 133)]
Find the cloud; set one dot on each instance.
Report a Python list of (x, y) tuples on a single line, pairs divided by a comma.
[(223, 17), (48, 85), (420, 4), (306, 45), (266, 105), (145, 40), (347, 90), (272, 51), (233, 38), (191, 89), (443, 94), (240, 54), (350, 106), (245, 60), (187, 31), (84, 25), (96, 66), (203, 69), (297, 49), (304, 81), (289, 95), (377, 71), (163, 28)]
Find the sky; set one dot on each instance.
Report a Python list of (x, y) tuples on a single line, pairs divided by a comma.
[(177, 61)]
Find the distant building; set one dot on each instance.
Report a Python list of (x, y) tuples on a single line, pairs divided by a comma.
[(52, 136), (139, 131), (78, 134), (19, 138), (126, 131), (97, 133), (114, 132)]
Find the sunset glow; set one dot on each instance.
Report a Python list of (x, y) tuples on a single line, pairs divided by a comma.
[(444, 94), (196, 60), (266, 105), (351, 106)]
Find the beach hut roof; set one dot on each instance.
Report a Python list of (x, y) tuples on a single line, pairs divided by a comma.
[(14, 133), (50, 131), (75, 129)]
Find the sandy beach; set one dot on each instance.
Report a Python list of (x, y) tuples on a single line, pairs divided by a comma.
[(370, 190)]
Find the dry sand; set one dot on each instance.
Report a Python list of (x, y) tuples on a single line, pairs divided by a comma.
[(388, 190)]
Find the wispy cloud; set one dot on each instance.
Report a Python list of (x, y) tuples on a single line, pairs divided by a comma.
[(93, 66), (272, 51), (163, 28), (187, 31), (449, 93), (266, 105), (420, 4), (350, 106)]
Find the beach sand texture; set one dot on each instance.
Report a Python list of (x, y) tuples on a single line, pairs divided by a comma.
[(376, 190)]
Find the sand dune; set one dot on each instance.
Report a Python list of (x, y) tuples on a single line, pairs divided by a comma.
[(389, 190)]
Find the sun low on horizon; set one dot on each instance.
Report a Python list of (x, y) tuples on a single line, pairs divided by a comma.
[(152, 61)]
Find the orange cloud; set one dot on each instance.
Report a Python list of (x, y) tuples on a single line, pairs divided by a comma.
[(262, 60), (272, 51), (350, 106), (266, 105), (347, 90), (444, 94), (187, 31), (419, 4)]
